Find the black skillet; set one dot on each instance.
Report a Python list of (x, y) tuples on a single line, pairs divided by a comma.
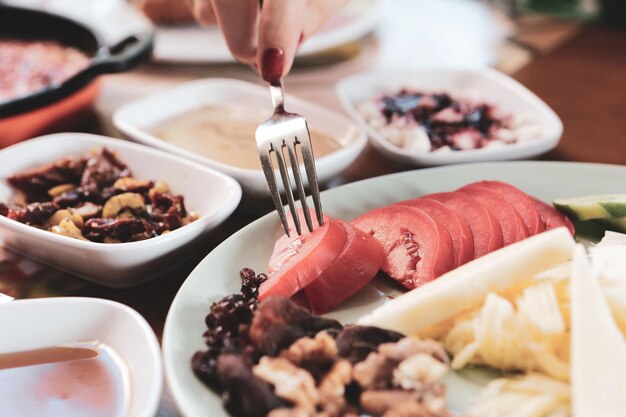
[(26, 24)]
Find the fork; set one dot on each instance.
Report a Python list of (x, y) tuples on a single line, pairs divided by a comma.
[(287, 132)]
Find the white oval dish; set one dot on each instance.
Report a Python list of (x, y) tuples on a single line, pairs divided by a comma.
[(135, 120), (490, 85), (218, 274), (211, 194), (43, 323)]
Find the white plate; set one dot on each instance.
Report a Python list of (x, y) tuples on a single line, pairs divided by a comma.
[(211, 194), (195, 44), (217, 275), (42, 323), (136, 119), (492, 86)]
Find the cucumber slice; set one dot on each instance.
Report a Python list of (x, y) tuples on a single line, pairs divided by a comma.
[(607, 206), (617, 224)]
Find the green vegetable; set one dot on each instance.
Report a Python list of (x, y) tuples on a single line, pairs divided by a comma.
[(606, 207)]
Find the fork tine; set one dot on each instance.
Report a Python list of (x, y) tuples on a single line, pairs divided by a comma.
[(309, 165), (268, 170), (287, 185), (295, 167)]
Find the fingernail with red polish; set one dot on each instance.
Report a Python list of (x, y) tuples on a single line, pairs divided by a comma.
[(272, 64)]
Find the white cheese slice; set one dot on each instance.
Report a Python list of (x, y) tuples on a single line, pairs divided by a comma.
[(468, 285), (598, 347)]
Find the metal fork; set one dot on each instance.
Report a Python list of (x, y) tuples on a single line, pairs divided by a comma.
[(287, 132)]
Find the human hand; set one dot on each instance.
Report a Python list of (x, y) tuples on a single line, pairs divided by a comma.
[(266, 37)]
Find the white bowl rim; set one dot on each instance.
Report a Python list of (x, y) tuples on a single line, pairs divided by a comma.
[(122, 246)]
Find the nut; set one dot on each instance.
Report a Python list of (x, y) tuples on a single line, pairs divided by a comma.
[(321, 348), (290, 382), (87, 210), (67, 228), (417, 370), (60, 215), (117, 203), (60, 189)]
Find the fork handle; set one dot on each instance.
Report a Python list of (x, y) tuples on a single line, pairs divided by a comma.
[(278, 96)]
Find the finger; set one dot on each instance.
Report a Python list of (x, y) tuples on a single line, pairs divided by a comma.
[(317, 13), (238, 20), (203, 12), (279, 31)]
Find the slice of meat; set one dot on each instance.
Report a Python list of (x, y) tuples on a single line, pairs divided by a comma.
[(551, 217), (484, 226), (462, 238), (520, 200), (356, 265), (416, 248), (298, 260), (511, 223)]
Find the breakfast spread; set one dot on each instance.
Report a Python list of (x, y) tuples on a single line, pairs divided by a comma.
[(226, 134), (95, 198), (420, 121), (28, 66)]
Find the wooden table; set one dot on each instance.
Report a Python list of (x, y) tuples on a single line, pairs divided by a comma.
[(583, 80)]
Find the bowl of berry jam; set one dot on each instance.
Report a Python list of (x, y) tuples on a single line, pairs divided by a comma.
[(447, 116)]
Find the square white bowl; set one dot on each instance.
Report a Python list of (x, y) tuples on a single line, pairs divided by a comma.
[(490, 85), (43, 323), (136, 120), (211, 194)]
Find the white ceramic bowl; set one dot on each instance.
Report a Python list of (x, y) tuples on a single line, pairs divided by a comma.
[(42, 323), (211, 194), (490, 85), (135, 120)]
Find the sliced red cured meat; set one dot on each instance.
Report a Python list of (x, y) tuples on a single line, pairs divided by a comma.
[(520, 200), (416, 248), (484, 226), (298, 260), (553, 218), (511, 222), (462, 238), (356, 265)]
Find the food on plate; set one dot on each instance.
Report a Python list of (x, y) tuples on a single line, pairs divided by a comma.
[(533, 395), (275, 359), (81, 380), (166, 12), (608, 210), (420, 121), (593, 367), (29, 66), (95, 198), (428, 236), (468, 285), (330, 263), (525, 309), (416, 248), (225, 134)]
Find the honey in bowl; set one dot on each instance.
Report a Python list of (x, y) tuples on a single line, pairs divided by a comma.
[(62, 381), (226, 134)]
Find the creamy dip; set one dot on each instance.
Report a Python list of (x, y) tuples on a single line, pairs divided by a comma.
[(226, 134), (62, 382)]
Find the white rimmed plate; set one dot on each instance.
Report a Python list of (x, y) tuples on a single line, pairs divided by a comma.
[(195, 44), (136, 120), (217, 275), (211, 194), (42, 323), (490, 85)]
